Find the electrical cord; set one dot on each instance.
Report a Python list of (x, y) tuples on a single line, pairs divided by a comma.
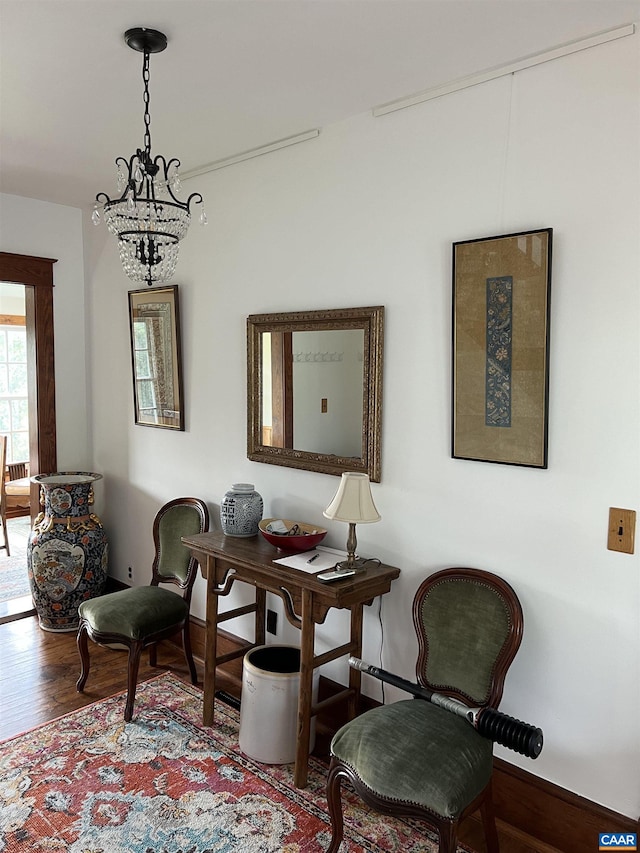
[(381, 642)]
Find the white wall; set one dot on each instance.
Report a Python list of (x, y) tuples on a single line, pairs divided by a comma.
[(29, 227), (365, 215)]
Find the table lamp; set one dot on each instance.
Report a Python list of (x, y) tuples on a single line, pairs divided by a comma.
[(354, 504)]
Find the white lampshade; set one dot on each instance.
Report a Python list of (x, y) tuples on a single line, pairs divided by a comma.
[(353, 501)]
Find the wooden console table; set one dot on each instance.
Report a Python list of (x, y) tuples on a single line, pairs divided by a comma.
[(226, 559)]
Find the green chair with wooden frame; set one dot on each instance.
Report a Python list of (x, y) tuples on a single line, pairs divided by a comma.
[(141, 616), (412, 758)]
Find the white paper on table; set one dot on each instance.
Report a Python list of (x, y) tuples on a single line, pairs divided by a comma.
[(325, 558)]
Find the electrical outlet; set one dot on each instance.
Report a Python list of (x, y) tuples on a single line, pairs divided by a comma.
[(272, 622), (130, 573), (622, 530)]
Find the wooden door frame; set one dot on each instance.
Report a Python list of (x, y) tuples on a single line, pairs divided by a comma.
[(282, 389), (37, 276)]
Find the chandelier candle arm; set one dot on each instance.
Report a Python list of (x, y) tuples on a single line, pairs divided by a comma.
[(147, 217)]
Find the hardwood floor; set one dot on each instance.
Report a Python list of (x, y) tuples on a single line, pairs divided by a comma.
[(38, 673), (39, 670)]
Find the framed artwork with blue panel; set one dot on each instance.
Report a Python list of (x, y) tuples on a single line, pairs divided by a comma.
[(500, 370)]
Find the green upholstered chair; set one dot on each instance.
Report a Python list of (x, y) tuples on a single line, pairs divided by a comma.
[(412, 758), (141, 616)]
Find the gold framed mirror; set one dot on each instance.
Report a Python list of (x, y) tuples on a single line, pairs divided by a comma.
[(314, 389), (154, 319)]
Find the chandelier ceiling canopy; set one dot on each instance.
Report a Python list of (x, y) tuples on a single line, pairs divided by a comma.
[(147, 217)]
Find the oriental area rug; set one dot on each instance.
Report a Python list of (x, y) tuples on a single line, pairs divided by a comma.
[(91, 783)]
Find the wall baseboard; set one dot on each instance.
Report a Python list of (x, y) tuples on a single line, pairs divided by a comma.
[(550, 813), (526, 805), (114, 585)]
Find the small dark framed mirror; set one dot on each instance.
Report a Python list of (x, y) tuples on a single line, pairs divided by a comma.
[(156, 357), (314, 389)]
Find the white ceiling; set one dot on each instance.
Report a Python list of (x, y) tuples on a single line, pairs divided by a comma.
[(237, 74)]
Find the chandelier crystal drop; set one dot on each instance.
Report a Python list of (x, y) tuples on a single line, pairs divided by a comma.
[(147, 218)]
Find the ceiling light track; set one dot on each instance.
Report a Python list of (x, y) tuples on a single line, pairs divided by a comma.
[(251, 153), (504, 70)]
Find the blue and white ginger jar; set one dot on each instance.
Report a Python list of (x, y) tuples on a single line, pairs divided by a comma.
[(241, 510)]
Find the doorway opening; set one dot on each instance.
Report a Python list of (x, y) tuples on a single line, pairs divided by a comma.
[(36, 277)]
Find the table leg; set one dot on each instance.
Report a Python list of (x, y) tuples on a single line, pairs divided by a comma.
[(355, 676), (211, 644), (261, 606), (307, 645)]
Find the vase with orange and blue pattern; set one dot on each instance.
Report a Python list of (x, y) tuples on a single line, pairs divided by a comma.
[(67, 552)]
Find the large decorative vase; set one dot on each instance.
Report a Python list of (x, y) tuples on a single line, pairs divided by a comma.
[(67, 550), (241, 510)]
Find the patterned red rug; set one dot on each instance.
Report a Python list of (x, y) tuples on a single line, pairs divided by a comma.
[(89, 783)]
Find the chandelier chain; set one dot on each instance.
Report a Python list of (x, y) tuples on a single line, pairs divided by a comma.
[(146, 98)]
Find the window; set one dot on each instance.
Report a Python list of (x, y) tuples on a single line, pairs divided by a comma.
[(145, 378), (14, 403)]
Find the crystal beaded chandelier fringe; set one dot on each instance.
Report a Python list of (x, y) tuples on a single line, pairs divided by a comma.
[(147, 218)]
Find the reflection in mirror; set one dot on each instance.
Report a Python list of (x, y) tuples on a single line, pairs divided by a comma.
[(326, 367), (315, 389), (155, 353)]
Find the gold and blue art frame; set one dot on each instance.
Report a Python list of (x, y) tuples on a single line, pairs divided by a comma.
[(500, 361)]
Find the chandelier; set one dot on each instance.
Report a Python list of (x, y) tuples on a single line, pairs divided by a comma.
[(147, 217)]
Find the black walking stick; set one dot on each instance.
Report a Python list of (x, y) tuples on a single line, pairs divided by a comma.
[(488, 722)]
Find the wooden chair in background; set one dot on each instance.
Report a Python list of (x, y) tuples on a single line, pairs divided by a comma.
[(3, 497), (17, 489), (17, 470)]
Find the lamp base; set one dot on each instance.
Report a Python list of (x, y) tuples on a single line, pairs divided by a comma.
[(357, 564)]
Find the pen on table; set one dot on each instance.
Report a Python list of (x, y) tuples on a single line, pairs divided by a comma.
[(311, 559)]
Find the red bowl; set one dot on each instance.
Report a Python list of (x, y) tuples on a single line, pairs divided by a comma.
[(310, 535)]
